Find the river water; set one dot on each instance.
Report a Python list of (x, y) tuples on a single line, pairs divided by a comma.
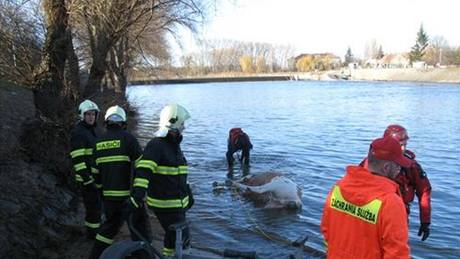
[(309, 131)]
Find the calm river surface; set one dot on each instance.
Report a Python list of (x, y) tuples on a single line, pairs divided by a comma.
[(309, 131)]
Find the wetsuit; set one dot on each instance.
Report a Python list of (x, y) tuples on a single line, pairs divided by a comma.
[(238, 140), (414, 181)]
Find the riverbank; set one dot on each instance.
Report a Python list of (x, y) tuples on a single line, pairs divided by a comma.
[(41, 213), (437, 75)]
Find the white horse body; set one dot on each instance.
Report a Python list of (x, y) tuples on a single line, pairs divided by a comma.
[(274, 190)]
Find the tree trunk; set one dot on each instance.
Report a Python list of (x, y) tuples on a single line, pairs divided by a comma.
[(118, 66), (50, 74), (72, 72), (98, 67)]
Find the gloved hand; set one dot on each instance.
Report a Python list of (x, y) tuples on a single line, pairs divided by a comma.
[(425, 230), (131, 205), (191, 200), (90, 186)]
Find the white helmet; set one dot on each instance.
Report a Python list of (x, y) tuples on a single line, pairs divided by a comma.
[(115, 114), (85, 106), (172, 117)]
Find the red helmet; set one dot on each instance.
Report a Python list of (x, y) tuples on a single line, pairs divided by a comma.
[(397, 132)]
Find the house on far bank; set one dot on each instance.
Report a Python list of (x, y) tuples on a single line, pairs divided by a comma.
[(389, 61), (394, 61), (321, 61), (371, 63)]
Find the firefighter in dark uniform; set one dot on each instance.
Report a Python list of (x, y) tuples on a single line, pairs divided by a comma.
[(115, 154), (83, 137), (162, 173)]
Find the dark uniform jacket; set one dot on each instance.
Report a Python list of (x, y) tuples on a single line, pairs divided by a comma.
[(162, 172), (114, 154), (82, 139)]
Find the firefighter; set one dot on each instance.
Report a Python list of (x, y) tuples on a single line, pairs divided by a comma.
[(115, 154), (412, 181), (364, 215), (83, 137), (162, 173)]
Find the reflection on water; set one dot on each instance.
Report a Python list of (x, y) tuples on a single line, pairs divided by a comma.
[(309, 131)]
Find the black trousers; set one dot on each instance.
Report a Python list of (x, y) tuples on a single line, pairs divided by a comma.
[(168, 219), (115, 212), (242, 144), (92, 203)]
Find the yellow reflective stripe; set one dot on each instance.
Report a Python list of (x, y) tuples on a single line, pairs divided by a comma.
[(88, 182), (92, 225), (110, 144), (169, 170), (79, 166), (137, 161), (99, 186), (78, 178), (167, 204), (94, 170), (141, 182), (77, 153), (168, 251), (116, 193), (81, 152), (104, 239), (149, 164), (108, 159), (133, 201), (368, 212)]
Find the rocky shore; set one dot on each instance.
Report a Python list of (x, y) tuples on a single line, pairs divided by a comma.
[(41, 214)]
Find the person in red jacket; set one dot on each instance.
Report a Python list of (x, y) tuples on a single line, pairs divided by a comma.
[(364, 215), (412, 181)]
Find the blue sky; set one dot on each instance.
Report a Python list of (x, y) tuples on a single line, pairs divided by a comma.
[(330, 25)]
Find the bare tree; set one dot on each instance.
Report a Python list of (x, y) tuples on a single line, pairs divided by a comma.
[(50, 93), (114, 28), (21, 40)]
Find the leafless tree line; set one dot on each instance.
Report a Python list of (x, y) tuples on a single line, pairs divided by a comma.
[(217, 56), (438, 52), (50, 44)]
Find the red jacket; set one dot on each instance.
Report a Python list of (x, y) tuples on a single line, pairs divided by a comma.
[(364, 217), (414, 181)]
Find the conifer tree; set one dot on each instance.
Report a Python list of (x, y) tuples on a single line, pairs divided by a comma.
[(418, 50), (349, 58), (380, 53)]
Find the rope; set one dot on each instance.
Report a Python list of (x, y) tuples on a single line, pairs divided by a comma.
[(258, 229), (275, 237)]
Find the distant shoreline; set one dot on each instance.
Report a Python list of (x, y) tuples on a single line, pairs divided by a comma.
[(429, 75)]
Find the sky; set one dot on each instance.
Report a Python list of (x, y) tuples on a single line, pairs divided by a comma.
[(317, 26)]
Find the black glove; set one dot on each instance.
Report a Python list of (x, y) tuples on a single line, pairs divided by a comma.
[(191, 200), (131, 205), (91, 186), (425, 230)]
